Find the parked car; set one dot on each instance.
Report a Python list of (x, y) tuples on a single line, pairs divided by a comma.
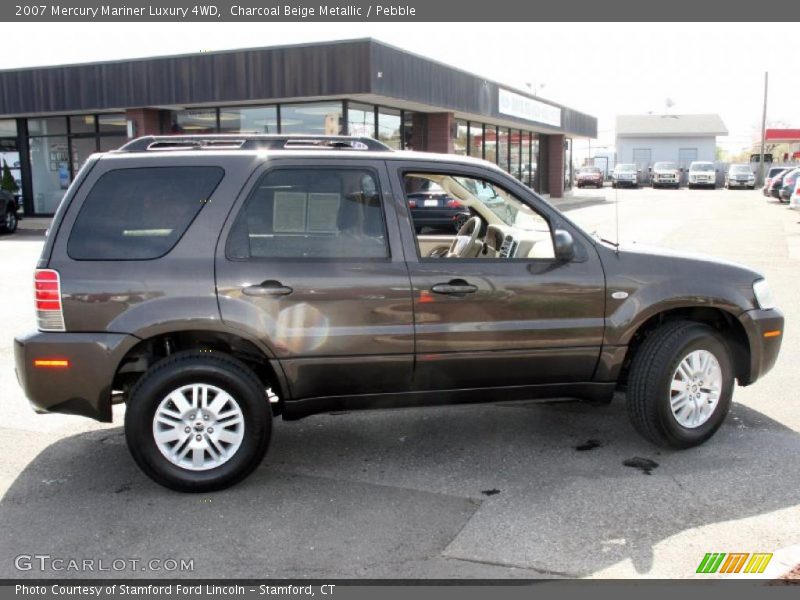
[(432, 207), (625, 174), (8, 212), (794, 198), (666, 174), (771, 174), (589, 176), (787, 185), (776, 184), (298, 285), (702, 174), (740, 175)]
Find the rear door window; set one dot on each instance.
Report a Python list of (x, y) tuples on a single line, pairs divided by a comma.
[(312, 213), (141, 213)]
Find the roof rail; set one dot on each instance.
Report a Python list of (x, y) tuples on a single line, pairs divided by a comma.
[(253, 142)]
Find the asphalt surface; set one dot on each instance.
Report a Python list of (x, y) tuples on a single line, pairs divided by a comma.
[(506, 490)]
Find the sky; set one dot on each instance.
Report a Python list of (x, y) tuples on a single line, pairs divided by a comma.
[(603, 69)]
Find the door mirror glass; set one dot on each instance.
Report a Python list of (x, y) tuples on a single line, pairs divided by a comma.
[(563, 245)]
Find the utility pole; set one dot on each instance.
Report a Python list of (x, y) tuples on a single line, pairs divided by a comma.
[(763, 132)]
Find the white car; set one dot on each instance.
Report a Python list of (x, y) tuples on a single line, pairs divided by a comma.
[(794, 198), (625, 174), (702, 174), (666, 174), (740, 176)]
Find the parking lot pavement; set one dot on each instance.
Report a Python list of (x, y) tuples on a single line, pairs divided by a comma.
[(526, 489)]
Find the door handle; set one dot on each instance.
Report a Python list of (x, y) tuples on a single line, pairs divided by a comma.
[(454, 287), (267, 288)]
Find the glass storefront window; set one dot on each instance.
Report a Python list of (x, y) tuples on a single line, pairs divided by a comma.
[(323, 118), (50, 172), (111, 142), (516, 148), (502, 148), (81, 124), (261, 119), (525, 157), (410, 119), (8, 128), (389, 127), (476, 140), (112, 123), (361, 120), (9, 155), (82, 148), (490, 132), (462, 139), (568, 164), (194, 121), (49, 126)]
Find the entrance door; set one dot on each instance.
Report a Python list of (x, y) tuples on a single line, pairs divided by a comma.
[(504, 311), (312, 266)]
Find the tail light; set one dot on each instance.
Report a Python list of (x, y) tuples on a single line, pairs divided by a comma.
[(49, 311), (412, 204), (453, 203)]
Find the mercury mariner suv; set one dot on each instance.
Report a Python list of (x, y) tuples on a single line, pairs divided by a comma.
[(213, 283)]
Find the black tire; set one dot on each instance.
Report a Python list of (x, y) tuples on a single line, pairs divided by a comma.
[(650, 377), (183, 368), (9, 221)]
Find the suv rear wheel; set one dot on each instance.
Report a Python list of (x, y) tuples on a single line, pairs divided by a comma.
[(680, 385), (198, 421)]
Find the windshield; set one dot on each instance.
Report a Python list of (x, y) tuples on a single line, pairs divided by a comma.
[(702, 167), (588, 170), (665, 166), (740, 169), (625, 168)]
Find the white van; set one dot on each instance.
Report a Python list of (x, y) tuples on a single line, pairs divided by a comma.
[(702, 174)]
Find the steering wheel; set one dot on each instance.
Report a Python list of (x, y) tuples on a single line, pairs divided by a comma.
[(466, 244)]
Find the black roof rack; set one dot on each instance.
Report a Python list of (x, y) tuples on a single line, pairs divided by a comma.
[(253, 142)]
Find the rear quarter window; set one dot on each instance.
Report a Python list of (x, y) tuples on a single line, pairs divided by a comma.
[(141, 213)]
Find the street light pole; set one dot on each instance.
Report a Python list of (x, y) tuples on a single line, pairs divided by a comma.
[(763, 132)]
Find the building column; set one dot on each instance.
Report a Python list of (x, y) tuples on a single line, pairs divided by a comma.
[(555, 166), (441, 132), (146, 121)]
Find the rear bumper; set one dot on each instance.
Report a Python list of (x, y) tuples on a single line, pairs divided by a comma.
[(83, 388), (763, 350)]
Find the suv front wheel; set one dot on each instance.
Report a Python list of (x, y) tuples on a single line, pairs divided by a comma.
[(198, 421), (680, 384)]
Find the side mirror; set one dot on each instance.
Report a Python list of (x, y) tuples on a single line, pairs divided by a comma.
[(563, 245)]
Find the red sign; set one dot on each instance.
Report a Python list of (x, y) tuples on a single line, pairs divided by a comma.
[(783, 135)]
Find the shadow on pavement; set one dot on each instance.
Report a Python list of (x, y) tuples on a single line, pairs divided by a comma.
[(502, 490)]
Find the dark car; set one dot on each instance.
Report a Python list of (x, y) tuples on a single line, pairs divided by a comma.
[(213, 283), (589, 176), (432, 207), (772, 174), (8, 212), (787, 185), (776, 184)]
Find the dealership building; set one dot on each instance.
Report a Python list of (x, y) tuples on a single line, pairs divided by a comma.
[(53, 118)]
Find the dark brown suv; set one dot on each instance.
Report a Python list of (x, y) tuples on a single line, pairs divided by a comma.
[(212, 283)]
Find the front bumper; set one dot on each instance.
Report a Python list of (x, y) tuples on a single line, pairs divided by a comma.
[(735, 183), (628, 182), (763, 350), (84, 388)]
